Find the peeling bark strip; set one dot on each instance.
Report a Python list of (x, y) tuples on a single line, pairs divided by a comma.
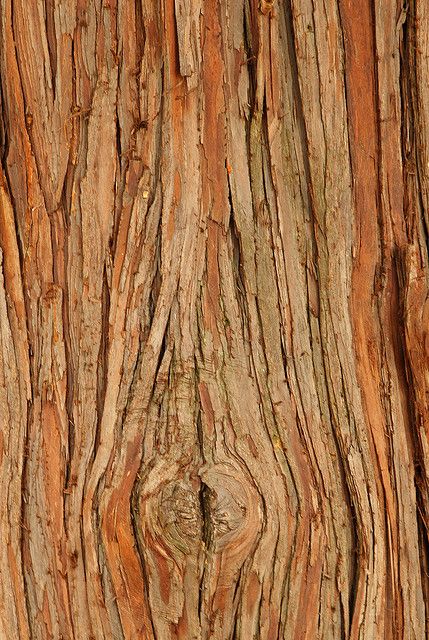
[(214, 317)]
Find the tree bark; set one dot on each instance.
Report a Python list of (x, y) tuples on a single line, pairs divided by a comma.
[(214, 379)]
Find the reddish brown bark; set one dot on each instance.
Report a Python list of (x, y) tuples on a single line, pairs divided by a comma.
[(214, 319)]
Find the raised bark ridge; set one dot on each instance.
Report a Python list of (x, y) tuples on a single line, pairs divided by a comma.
[(214, 319)]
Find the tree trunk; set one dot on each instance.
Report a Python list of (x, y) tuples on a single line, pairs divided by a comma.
[(214, 380)]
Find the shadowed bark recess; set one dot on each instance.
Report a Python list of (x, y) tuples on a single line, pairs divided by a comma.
[(214, 346)]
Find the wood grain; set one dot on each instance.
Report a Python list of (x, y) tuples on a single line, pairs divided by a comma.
[(214, 346)]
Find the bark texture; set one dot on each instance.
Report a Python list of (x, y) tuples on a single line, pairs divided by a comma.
[(214, 319)]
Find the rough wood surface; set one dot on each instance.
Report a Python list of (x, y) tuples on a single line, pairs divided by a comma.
[(214, 319)]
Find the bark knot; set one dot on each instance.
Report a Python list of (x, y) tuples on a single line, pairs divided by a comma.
[(234, 512), (174, 515)]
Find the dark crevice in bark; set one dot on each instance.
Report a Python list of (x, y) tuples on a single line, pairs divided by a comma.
[(346, 480), (124, 159), (320, 612), (119, 154), (250, 49), (102, 361), (13, 28), (198, 421), (49, 11), (344, 623), (354, 582), (122, 167), (156, 281), (176, 50), (381, 267), (236, 628), (204, 496), (140, 30), (80, 111), (258, 618), (61, 280), (162, 353), (285, 359), (4, 137), (65, 204), (320, 104), (408, 84), (346, 98), (414, 212), (237, 592), (424, 226), (237, 261), (135, 376)]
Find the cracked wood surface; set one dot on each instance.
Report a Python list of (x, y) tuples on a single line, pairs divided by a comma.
[(214, 319)]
